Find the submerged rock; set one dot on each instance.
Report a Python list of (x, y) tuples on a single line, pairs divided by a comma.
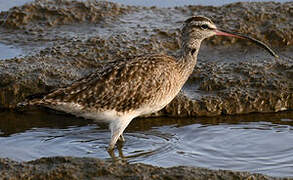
[(67, 40), (92, 168)]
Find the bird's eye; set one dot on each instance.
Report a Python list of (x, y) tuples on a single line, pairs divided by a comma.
[(204, 26)]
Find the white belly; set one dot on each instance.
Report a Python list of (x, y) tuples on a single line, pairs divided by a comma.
[(152, 108), (99, 116)]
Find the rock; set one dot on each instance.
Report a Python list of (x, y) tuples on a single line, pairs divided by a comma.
[(60, 12), (66, 40), (92, 168)]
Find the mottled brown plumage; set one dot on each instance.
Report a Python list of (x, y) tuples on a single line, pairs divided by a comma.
[(123, 85), (125, 89)]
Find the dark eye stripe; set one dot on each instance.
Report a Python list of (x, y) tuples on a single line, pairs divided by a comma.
[(203, 26)]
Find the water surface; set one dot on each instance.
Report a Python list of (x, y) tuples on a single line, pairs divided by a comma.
[(9, 51), (5, 5), (256, 143)]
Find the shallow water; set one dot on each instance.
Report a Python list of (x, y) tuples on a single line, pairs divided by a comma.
[(256, 143), (8, 51), (5, 5)]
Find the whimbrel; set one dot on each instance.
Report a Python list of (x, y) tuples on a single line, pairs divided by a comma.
[(123, 90)]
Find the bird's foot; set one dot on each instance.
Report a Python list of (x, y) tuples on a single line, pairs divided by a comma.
[(111, 152)]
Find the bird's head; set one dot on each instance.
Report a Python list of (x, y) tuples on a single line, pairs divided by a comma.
[(197, 28)]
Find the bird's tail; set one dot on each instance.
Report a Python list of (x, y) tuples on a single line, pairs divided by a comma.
[(32, 100), (28, 103)]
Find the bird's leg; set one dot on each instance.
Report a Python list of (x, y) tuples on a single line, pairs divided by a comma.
[(120, 144), (120, 151), (117, 127), (121, 138)]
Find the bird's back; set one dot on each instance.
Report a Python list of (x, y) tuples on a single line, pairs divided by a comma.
[(145, 83)]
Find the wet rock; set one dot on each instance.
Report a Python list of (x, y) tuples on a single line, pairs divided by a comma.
[(71, 39), (268, 21), (46, 13), (235, 88), (92, 168)]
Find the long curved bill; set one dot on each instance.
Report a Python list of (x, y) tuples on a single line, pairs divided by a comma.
[(259, 43)]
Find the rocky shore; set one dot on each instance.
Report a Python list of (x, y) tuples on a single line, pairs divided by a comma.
[(64, 41), (92, 168)]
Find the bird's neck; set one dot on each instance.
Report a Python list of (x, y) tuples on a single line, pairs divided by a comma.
[(188, 56)]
